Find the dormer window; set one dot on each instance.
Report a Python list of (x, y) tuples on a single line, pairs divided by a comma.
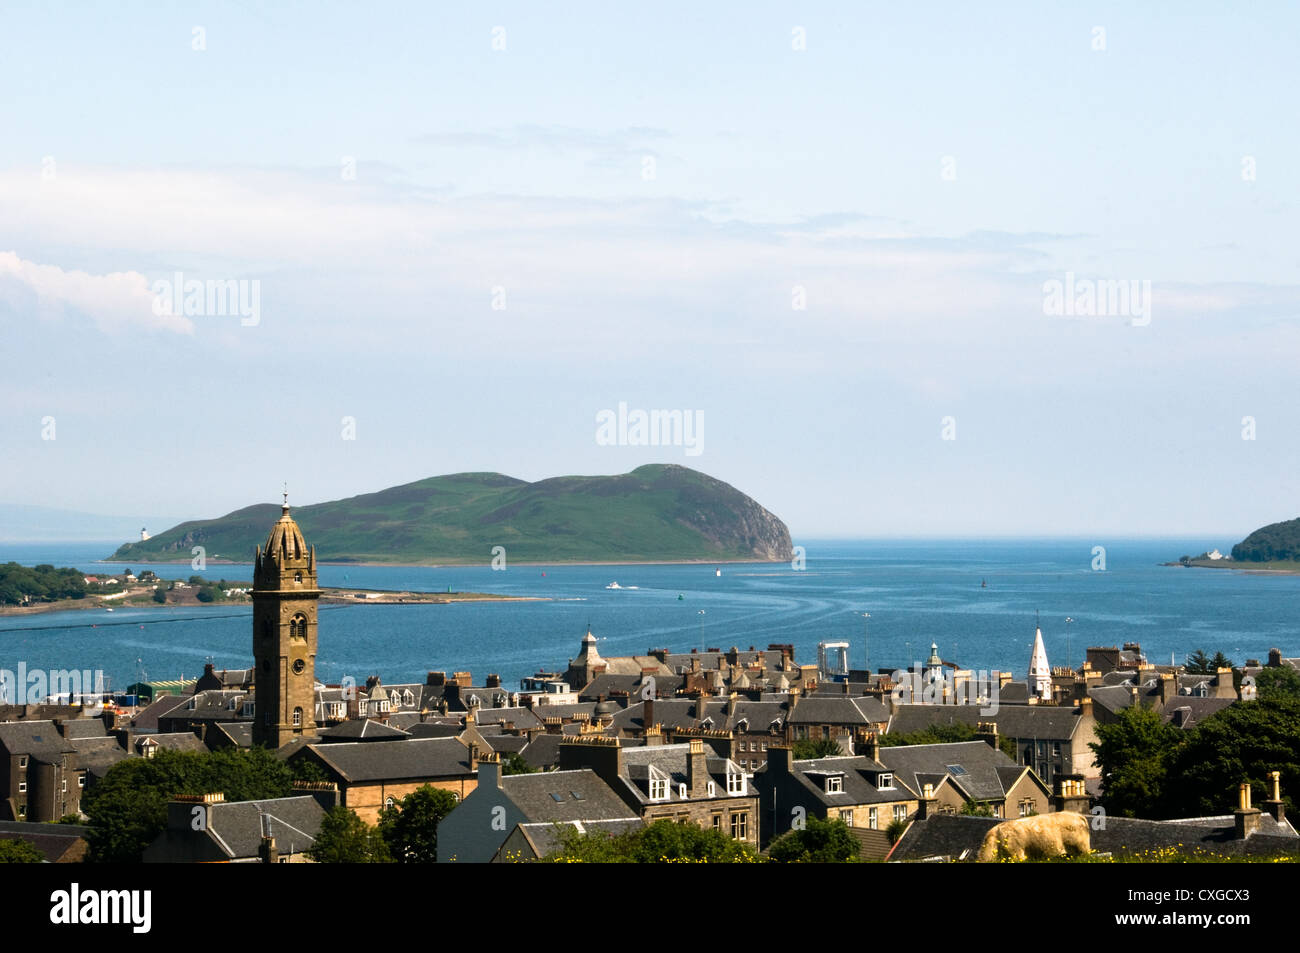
[(681, 791), (885, 782), (835, 784), (735, 784), (658, 789)]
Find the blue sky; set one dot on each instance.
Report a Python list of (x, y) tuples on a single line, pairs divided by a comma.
[(917, 171)]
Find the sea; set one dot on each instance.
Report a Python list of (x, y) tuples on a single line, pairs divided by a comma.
[(979, 601)]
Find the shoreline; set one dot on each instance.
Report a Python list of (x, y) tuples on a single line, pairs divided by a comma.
[(328, 596), (1248, 569)]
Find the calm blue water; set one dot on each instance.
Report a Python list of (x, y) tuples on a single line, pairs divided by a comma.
[(916, 591)]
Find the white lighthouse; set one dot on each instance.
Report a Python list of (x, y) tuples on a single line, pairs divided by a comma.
[(144, 534)]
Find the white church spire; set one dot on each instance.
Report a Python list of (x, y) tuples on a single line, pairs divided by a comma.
[(1040, 674)]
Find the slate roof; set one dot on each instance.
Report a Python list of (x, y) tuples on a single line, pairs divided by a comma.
[(236, 826), (213, 705), (578, 795), (977, 769), (413, 759), (609, 683), (1211, 834), (97, 755), (680, 662), (1193, 710), (943, 837), (1014, 721), (670, 762), (239, 732), (175, 741), (669, 712), (565, 711), (52, 840), (39, 740), (83, 728), (858, 784), (839, 710), (146, 719), (507, 744), (360, 729), (523, 718), (543, 751)]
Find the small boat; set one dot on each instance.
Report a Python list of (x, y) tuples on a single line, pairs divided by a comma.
[(717, 572), (614, 585), (984, 584), (108, 610)]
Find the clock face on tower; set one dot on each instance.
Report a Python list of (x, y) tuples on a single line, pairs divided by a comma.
[(298, 666)]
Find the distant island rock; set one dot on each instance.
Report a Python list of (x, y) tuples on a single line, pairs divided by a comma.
[(656, 513)]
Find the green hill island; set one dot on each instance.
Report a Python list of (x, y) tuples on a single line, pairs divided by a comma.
[(656, 513)]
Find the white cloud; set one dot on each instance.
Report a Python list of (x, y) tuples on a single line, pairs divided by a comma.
[(115, 302)]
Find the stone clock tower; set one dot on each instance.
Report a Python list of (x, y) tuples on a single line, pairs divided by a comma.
[(284, 635)]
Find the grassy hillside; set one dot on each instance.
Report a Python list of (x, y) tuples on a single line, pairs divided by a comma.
[(657, 512)]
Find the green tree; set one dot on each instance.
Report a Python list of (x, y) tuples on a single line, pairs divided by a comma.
[(197, 581), (204, 595), (661, 842), (820, 842), (160, 595), (344, 838), (1242, 742), (807, 749), (13, 851), (128, 807), (1281, 682), (1220, 661), (515, 764), (1133, 754), (410, 828), (976, 809), (1199, 663)]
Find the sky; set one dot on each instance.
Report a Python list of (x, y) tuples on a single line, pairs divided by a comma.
[(831, 236)]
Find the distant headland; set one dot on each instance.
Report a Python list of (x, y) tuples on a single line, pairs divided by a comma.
[(656, 513), (1274, 548)]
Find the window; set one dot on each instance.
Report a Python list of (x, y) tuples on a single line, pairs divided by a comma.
[(22, 762), (297, 717), (81, 780), (835, 784), (847, 817), (658, 789), (873, 818), (22, 787), (389, 802), (1056, 749), (886, 781), (735, 784), (681, 791), (65, 785), (713, 789), (900, 812), (740, 825), (717, 822), (763, 746)]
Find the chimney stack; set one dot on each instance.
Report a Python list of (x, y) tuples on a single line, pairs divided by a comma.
[(1274, 806), (1246, 817), (697, 769), (648, 714)]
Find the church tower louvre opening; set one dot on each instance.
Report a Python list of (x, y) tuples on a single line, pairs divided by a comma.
[(285, 597)]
